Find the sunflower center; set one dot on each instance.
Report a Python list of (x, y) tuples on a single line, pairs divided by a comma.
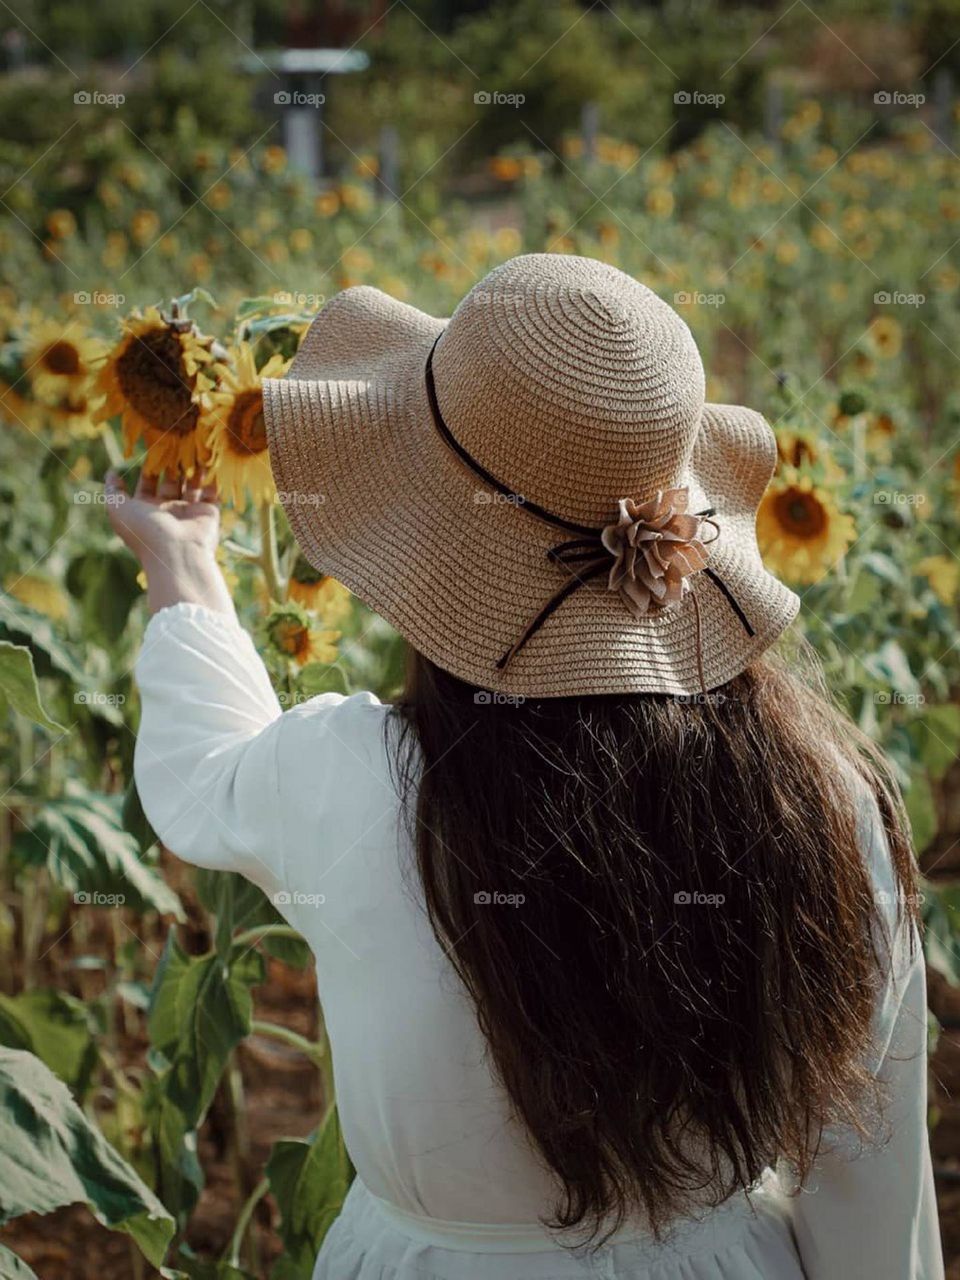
[(246, 429), (291, 637), (800, 513), (152, 377), (62, 357)]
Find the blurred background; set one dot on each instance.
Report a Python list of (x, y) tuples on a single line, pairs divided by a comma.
[(183, 183)]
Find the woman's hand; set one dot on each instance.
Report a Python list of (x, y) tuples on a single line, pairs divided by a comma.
[(173, 530)]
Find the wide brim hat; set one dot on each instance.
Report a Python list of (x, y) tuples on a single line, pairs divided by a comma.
[(434, 466)]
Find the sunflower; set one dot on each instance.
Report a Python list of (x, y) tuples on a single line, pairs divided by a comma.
[(318, 592), (57, 363), (289, 633), (233, 423), (39, 593), (156, 379), (801, 531), (886, 337), (943, 574)]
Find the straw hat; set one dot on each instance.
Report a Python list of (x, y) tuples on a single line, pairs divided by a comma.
[(533, 492)]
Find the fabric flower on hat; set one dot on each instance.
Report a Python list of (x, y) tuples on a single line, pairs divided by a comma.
[(656, 547)]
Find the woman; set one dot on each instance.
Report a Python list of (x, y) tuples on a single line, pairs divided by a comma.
[(613, 917)]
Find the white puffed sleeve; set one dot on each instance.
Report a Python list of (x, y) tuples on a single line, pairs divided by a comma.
[(206, 759), (868, 1211)]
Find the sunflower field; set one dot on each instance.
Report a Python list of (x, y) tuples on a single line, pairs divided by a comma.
[(136, 1019)]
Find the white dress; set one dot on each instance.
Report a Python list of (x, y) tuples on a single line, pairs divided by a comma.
[(447, 1186)]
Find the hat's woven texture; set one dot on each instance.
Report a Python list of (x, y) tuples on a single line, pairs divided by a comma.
[(575, 386)]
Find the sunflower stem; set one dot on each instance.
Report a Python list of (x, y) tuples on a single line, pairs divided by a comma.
[(269, 561)]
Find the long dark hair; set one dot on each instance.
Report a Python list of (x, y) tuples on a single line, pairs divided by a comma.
[(661, 912)]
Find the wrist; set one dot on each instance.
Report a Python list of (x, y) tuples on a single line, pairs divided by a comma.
[(185, 573)]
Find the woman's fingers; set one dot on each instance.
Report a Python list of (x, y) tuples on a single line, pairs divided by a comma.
[(170, 487), (147, 485)]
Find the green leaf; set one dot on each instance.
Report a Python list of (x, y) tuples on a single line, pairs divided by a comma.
[(200, 1010), (135, 822), (941, 932), (238, 904), (51, 1155), (14, 1268), (57, 1028), (23, 625), (890, 665), (78, 838), (19, 688), (935, 735), (309, 1179), (105, 584), (921, 809)]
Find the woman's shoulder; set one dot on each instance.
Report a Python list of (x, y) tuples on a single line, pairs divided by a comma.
[(335, 721)]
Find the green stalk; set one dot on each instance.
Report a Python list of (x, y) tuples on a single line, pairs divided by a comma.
[(269, 561), (231, 1254), (251, 936), (316, 1051)]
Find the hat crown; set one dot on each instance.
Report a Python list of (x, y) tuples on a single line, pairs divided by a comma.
[(571, 383)]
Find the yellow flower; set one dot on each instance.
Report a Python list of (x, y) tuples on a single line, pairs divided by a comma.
[(506, 168), (301, 240), (507, 240), (233, 424), (326, 204), (356, 259), (660, 202), (886, 336), (800, 451), (61, 224), (366, 166), (943, 574), (57, 362), (218, 197), (144, 226), (289, 634), (318, 592), (155, 379), (274, 159), (39, 593), (802, 533)]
